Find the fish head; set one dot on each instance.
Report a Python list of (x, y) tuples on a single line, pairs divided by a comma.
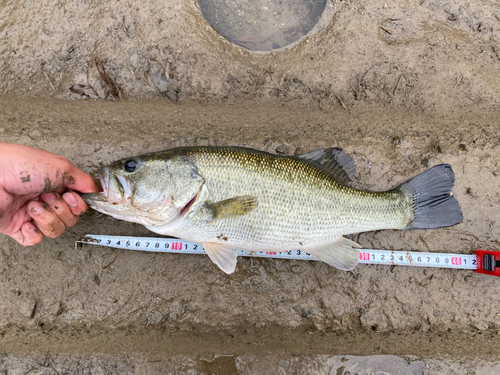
[(149, 189)]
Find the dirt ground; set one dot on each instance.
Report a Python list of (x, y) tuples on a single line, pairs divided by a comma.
[(401, 86)]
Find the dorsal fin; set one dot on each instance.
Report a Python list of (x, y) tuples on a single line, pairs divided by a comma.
[(335, 161)]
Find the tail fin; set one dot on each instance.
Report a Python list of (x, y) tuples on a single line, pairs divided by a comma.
[(430, 193)]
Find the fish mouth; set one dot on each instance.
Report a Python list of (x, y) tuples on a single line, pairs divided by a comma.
[(115, 190)]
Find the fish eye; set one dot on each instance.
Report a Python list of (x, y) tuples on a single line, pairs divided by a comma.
[(130, 165)]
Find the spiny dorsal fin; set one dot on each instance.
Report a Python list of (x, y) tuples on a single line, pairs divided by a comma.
[(336, 161), (233, 207), (341, 254)]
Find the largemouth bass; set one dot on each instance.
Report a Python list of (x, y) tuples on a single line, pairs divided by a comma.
[(231, 198)]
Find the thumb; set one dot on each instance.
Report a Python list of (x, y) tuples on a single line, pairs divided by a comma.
[(78, 180)]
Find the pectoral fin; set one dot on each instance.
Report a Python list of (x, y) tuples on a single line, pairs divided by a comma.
[(222, 255), (232, 207), (340, 254)]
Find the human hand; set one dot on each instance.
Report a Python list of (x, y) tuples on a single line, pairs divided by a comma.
[(31, 184)]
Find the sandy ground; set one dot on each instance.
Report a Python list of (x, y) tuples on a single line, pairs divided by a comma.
[(400, 86)]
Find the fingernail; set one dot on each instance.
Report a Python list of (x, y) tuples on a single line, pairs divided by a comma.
[(37, 208), (70, 199), (48, 197)]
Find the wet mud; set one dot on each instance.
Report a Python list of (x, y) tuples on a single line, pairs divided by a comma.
[(399, 86)]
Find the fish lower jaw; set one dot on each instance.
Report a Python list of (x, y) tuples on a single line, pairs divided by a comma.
[(90, 198)]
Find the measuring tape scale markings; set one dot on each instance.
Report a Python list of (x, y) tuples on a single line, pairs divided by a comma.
[(173, 245), (483, 261)]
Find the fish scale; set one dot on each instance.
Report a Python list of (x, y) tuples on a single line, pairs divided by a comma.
[(299, 205)]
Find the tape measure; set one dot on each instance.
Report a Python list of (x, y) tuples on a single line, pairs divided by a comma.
[(482, 261)]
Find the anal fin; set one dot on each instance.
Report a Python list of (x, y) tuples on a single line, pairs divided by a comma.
[(341, 254), (223, 256)]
